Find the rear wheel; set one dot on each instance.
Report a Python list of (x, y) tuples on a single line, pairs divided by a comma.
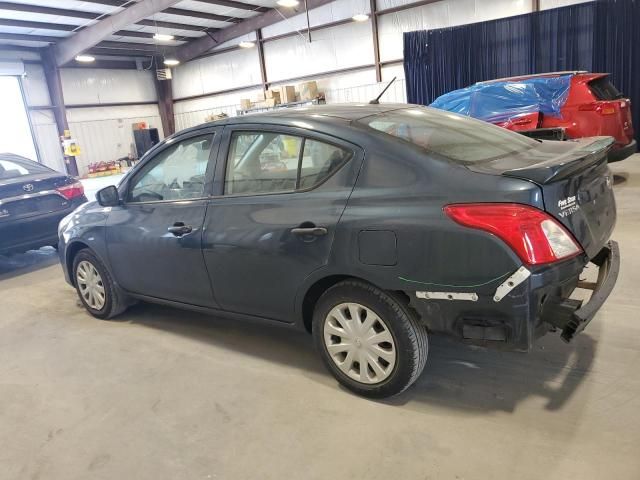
[(95, 287), (369, 339)]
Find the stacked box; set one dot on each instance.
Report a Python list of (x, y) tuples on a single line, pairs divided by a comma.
[(308, 91)]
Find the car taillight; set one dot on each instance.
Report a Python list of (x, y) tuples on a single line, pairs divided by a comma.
[(603, 108), (71, 191), (532, 234)]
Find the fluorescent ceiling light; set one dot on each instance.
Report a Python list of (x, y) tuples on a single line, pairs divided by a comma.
[(85, 58), (163, 37), (288, 3), (246, 44), (360, 17), (171, 62)]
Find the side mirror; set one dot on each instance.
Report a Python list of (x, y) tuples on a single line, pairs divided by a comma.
[(108, 196)]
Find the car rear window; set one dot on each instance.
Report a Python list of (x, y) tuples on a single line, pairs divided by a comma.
[(453, 136), (603, 89), (13, 168)]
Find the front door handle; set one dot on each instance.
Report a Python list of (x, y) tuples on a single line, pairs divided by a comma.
[(179, 229), (314, 231)]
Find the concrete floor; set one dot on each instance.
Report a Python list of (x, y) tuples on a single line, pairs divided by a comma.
[(166, 394)]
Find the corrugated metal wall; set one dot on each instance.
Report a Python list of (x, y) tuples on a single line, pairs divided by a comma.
[(105, 133), (43, 123)]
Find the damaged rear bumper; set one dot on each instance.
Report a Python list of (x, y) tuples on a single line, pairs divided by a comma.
[(572, 316), (531, 306)]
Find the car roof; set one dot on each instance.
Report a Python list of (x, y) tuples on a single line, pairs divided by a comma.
[(314, 114), (540, 75)]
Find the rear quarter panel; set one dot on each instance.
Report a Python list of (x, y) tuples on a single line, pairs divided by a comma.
[(403, 190)]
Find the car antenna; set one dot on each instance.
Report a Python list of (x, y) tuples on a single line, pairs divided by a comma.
[(376, 100)]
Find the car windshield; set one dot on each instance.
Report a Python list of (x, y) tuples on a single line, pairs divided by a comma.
[(13, 167), (450, 135)]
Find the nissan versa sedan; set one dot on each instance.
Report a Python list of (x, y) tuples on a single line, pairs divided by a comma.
[(370, 226), (33, 200)]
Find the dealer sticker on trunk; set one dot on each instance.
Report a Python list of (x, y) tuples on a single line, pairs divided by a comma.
[(568, 206)]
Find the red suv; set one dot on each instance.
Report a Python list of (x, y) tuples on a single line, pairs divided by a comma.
[(559, 105)]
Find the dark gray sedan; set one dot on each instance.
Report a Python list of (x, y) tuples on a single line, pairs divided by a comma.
[(367, 225), (33, 200)]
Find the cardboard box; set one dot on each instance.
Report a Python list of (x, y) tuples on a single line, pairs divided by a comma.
[(273, 94), (287, 94), (308, 91), (270, 102), (245, 104)]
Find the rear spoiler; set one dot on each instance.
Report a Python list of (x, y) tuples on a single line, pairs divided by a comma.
[(588, 151)]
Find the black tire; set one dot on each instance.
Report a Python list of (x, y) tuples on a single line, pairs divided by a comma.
[(409, 336), (115, 302)]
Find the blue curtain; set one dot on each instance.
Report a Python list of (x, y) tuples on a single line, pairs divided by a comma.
[(617, 49), (438, 61)]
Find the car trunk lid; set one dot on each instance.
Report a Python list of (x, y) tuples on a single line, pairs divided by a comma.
[(576, 185), (29, 195)]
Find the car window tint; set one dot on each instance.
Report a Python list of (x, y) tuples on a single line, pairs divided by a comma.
[(453, 136), (319, 161), (176, 173), (603, 89), (11, 169), (262, 162)]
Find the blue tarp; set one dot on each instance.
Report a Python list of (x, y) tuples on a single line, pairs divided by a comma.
[(503, 100)]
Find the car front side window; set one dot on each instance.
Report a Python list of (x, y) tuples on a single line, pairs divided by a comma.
[(176, 173), (269, 162)]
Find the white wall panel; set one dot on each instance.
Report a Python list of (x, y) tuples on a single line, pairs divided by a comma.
[(364, 93), (34, 85), (390, 71), (331, 12), (105, 133), (45, 135), (447, 13), (83, 86), (547, 4), (190, 113), (331, 49), (217, 73)]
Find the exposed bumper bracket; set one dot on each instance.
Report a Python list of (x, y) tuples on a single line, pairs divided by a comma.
[(510, 283)]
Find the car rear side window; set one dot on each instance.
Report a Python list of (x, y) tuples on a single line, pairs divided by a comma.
[(13, 169), (603, 89), (450, 135), (271, 162), (175, 173)]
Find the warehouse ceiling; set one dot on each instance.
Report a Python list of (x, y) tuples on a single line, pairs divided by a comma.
[(102, 28)]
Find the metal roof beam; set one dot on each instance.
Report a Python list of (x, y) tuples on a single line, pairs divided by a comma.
[(197, 47), (58, 12), (66, 50), (234, 4), (204, 15)]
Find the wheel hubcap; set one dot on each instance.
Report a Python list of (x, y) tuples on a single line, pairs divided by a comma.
[(359, 343), (90, 285)]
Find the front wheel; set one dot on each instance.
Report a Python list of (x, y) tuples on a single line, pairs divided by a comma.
[(95, 287), (368, 339)]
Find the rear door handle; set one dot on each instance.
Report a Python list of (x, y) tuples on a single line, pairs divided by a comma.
[(179, 229), (315, 231)]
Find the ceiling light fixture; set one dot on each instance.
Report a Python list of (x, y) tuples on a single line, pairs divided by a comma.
[(360, 17), (171, 62), (288, 3), (85, 58), (246, 44), (163, 37)]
